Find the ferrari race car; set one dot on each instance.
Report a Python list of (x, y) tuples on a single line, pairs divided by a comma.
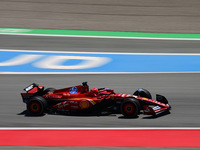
[(79, 99)]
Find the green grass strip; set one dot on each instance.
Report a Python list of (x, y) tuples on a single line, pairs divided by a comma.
[(98, 33)]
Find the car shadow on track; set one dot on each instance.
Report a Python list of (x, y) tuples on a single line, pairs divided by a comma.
[(147, 117), (157, 116), (26, 114), (122, 117)]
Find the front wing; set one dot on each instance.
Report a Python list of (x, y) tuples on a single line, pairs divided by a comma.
[(155, 107)]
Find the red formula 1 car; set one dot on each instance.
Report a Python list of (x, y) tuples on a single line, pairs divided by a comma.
[(79, 99)]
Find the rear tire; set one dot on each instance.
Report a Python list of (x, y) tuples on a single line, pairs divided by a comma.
[(37, 106), (130, 108)]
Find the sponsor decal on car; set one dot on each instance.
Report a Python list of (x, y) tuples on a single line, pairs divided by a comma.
[(62, 105), (156, 108), (29, 88), (84, 104)]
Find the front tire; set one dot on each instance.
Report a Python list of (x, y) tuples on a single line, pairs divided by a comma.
[(143, 93), (37, 106), (130, 108)]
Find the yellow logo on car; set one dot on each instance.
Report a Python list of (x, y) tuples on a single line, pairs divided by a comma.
[(84, 104)]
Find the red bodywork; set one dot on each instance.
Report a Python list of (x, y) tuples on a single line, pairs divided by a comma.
[(81, 98)]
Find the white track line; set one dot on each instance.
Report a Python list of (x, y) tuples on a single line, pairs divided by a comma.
[(95, 73), (105, 37), (77, 52)]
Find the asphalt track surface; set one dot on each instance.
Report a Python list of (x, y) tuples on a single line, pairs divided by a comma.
[(182, 90), (140, 16)]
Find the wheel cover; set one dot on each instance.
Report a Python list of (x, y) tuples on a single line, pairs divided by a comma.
[(129, 108), (35, 107)]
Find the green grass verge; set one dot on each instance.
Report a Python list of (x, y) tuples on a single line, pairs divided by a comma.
[(98, 33)]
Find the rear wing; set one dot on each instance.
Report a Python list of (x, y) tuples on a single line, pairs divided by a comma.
[(33, 88), (30, 87)]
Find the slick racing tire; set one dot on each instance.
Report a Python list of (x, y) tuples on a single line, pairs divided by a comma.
[(130, 108), (37, 106), (48, 90), (143, 93)]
